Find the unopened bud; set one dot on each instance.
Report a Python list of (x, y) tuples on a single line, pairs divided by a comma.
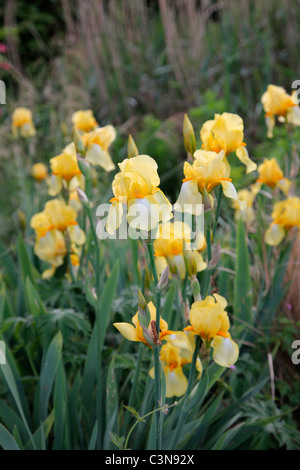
[(79, 143), (22, 219), (164, 278), (190, 263), (195, 288), (187, 310), (142, 303), (84, 167), (82, 197), (132, 150), (172, 264), (188, 136)]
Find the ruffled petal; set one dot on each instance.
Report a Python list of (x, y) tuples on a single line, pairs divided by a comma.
[(284, 185), (179, 339), (76, 234), (180, 265), (164, 205), (161, 264), (54, 185), (226, 351), (274, 235), (143, 213), (114, 217), (96, 155), (189, 199), (176, 382), (201, 265), (128, 331), (243, 156), (293, 115), (48, 273)]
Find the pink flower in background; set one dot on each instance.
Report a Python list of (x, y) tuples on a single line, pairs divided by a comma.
[(3, 48), (5, 65)]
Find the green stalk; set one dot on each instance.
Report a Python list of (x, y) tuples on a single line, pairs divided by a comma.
[(68, 246), (134, 385), (218, 209), (89, 214), (208, 242), (142, 418), (98, 326), (156, 348), (207, 272), (183, 409)]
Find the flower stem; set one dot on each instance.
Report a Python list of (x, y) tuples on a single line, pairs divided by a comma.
[(162, 408), (156, 348), (135, 382), (183, 409), (207, 272), (218, 210), (98, 326)]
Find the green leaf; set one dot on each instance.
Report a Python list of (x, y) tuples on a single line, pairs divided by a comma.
[(270, 302), (9, 268), (48, 373), (14, 389), (41, 434), (242, 284), (2, 302), (144, 315), (26, 267), (134, 412), (61, 424), (34, 303), (89, 373), (105, 303), (93, 439), (7, 441), (168, 305), (11, 419), (112, 402), (117, 440)]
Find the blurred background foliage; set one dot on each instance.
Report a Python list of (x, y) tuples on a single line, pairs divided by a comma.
[(141, 65)]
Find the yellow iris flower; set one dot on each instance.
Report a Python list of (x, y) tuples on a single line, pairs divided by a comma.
[(173, 359), (65, 168), (97, 144), (52, 249), (209, 320), (277, 102), (22, 123), (247, 212), (39, 171), (136, 187), (134, 331), (271, 174), (169, 248), (84, 120), (226, 132), (208, 170), (285, 215), (57, 215)]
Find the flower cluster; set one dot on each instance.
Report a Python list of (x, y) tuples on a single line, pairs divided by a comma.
[(177, 251), (55, 228), (58, 235)]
